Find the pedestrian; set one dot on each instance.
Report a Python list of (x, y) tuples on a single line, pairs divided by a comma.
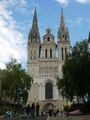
[(37, 109), (28, 110), (33, 110), (61, 113), (8, 114), (48, 117), (50, 112), (57, 111)]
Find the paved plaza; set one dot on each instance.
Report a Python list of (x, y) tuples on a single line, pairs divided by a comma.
[(81, 117)]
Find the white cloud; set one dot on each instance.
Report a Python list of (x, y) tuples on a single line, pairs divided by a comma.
[(79, 22), (83, 1), (11, 40), (76, 22), (62, 2), (15, 2), (17, 5)]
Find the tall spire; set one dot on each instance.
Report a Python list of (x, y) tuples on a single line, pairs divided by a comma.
[(62, 23), (34, 32), (35, 23), (63, 34)]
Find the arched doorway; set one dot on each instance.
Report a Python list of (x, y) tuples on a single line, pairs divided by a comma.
[(49, 90), (47, 106)]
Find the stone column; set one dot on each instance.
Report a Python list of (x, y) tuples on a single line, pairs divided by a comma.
[(40, 91), (43, 92)]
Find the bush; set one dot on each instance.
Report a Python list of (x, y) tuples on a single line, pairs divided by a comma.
[(3, 110), (85, 108), (67, 108), (76, 106), (7, 106)]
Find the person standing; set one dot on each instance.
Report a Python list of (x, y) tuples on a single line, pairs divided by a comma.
[(50, 112), (37, 109), (33, 109), (28, 110)]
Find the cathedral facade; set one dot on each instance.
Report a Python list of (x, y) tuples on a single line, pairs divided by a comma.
[(44, 65)]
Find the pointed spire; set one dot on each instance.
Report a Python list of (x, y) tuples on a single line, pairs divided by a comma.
[(62, 16), (35, 23), (89, 38), (62, 23), (34, 32), (63, 34)]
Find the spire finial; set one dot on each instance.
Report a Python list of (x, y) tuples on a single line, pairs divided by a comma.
[(35, 12), (35, 16), (61, 11)]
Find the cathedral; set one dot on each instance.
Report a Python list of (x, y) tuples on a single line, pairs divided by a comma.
[(44, 65)]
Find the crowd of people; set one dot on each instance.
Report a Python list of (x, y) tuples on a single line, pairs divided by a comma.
[(32, 110), (53, 112)]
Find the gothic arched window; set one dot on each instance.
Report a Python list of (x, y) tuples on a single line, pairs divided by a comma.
[(65, 51), (50, 53), (48, 38), (62, 53), (46, 53), (49, 90), (63, 36), (34, 54)]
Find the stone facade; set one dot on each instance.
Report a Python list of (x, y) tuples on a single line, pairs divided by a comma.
[(45, 60)]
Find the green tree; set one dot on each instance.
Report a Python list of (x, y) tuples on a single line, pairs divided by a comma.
[(76, 72), (16, 82)]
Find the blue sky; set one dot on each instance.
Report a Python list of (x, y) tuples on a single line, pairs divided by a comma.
[(16, 20)]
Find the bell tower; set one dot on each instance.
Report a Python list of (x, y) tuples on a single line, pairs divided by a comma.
[(33, 43), (33, 40), (63, 39)]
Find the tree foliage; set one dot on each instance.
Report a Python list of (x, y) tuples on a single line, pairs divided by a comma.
[(76, 72), (16, 82)]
